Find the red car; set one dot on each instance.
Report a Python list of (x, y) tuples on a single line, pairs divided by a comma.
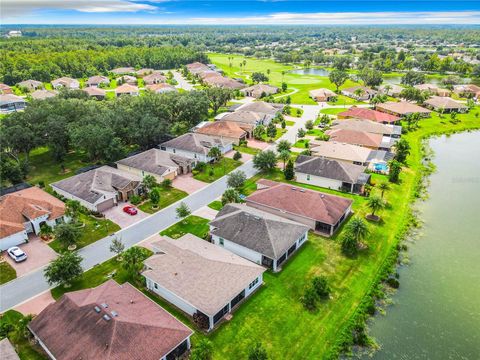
[(130, 210)]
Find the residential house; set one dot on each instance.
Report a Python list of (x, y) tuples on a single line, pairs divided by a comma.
[(378, 161), (144, 71), (256, 235), (229, 130), (98, 80), (127, 89), (161, 88), (433, 89), (322, 213), (361, 138), (361, 93), (160, 164), (402, 109), (390, 90), (127, 79), (223, 82), (7, 350), (10, 103), (31, 85), (368, 114), (322, 95), (201, 279), (259, 90), (445, 104), (66, 82), (197, 68), (5, 89), (109, 322), (99, 189), (95, 92), (354, 154), (469, 91), (393, 131), (247, 119), (331, 174), (154, 78), (24, 212), (43, 94), (123, 70), (196, 146), (262, 107)]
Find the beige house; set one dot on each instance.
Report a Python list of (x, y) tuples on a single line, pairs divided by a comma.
[(341, 151), (402, 109), (322, 95), (127, 89), (95, 92), (154, 78), (433, 89), (259, 90), (445, 104), (229, 130), (31, 85)]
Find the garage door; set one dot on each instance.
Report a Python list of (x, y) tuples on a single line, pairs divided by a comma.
[(107, 204)]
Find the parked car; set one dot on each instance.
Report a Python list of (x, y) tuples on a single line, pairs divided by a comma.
[(17, 254), (130, 210)]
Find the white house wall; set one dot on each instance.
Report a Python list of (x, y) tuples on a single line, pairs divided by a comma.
[(248, 291), (239, 250), (171, 297), (13, 240), (142, 173), (318, 181), (89, 206)]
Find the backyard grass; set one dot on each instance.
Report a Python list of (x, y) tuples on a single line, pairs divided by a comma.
[(216, 205), (332, 111), (345, 100), (25, 350), (215, 171), (167, 197), (7, 272), (315, 132), (94, 229), (302, 144), (279, 133), (192, 224), (246, 150), (289, 122)]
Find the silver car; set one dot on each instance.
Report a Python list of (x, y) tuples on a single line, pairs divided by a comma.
[(17, 254)]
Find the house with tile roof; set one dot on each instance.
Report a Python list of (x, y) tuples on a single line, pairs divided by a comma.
[(341, 151), (43, 94), (230, 130), (445, 104), (24, 212), (203, 280), (5, 89), (256, 235), (321, 212), (95, 92), (361, 93), (110, 322), (368, 114), (331, 174), (361, 138), (127, 89), (322, 95), (161, 88), (154, 78), (97, 80), (11, 103), (393, 131), (31, 85)]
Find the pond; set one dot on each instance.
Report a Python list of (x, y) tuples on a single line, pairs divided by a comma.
[(311, 71), (436, 314)]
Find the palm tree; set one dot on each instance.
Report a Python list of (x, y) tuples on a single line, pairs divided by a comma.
[(358, 229), (283, 145), (284, 155), (215, 153), (375, 203), (132, 260), (402, 150), (383, 186)]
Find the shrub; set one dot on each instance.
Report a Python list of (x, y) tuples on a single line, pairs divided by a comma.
[(321, 286), (393, 282), (135, 199), (309, 299), (237, 156), (167, 183), (41, 184)]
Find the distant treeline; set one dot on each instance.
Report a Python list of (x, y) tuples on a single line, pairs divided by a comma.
[(46, 59)]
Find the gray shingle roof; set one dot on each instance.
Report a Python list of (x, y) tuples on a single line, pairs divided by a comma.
[(257, 230), (196, 143), (328, 168), (154, 161)]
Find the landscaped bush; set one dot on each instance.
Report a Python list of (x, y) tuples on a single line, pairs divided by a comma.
[(135, 199), (237, 155), (393, 282)]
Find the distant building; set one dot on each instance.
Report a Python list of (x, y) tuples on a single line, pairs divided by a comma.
[(66, 82), (445, 104), (359, 93), (259, 90), (31, 85), (10, 103), (322, 95), (98, 80)]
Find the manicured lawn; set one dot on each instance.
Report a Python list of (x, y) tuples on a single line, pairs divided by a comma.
[(7, 272), (279, 133), (192, 224), (246, 149), (289, 122), (94, 229), (216, 205), (43, 167), (215, 171), (25, 350), (332, 111), (315, 132), (304, 83), (167, 197), (345, 100), (98, 275), (302, 144)]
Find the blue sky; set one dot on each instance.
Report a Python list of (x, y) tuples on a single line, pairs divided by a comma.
[(215, 12)]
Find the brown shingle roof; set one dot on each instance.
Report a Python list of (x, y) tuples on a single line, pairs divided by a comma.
[(354, 137), (71, 328), (302, 202), (126, 89), (17, 207), (222, 128)]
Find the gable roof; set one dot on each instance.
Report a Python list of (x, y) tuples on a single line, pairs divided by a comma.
[(154, 161), (341, 151), (368, 114), (257, 230), (261, 88), (402, 108), (366, 125), (137, 328), (154, 76), (329, 168), (94, 91), (444, 102), (222, 81), (65, 81), (323, 92), (27, 204), (98, 79), (354, 137), (202, 274), (30, 83), (43, 94), (222, 128), (261, 107), (126, 89), (92, 185), (196, 143), (247, 117), (302, 202)]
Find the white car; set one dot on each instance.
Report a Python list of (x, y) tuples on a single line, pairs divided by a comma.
[(17, 254)]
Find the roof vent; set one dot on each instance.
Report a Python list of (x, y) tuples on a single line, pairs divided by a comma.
[(97, 309), (106, 317), (114, 313), (105, 305)]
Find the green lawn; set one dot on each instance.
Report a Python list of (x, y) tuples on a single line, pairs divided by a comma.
[(191, 224), (167, 197), (246, 150), (215, 171), (25, 350), (289, 122), (98, 275), (315, 132), (332, 111), (94, 229), (302, 144), (345, 100), (7, 272), (216, 205), (279, 133), (304, 83)]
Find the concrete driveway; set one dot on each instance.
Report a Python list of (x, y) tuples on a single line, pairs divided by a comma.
[(121, 218), (188, 184), (256, 144), (39, 254)]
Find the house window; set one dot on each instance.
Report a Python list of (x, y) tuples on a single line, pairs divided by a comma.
[(302, 239), (253, 283), (163, 148), (155, 285), (308, 177), (221, 241), (174, 151)]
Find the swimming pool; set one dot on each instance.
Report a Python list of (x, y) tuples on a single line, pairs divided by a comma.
[(380, 167)]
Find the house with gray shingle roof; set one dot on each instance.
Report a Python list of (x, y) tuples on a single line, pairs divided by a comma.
[(256, 235), (331, 174), (99, 189), (160, 164)]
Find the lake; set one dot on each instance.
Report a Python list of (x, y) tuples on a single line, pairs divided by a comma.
[(436, 314), (311, 71)]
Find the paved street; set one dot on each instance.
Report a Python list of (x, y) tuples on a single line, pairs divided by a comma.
[(182, 83)]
